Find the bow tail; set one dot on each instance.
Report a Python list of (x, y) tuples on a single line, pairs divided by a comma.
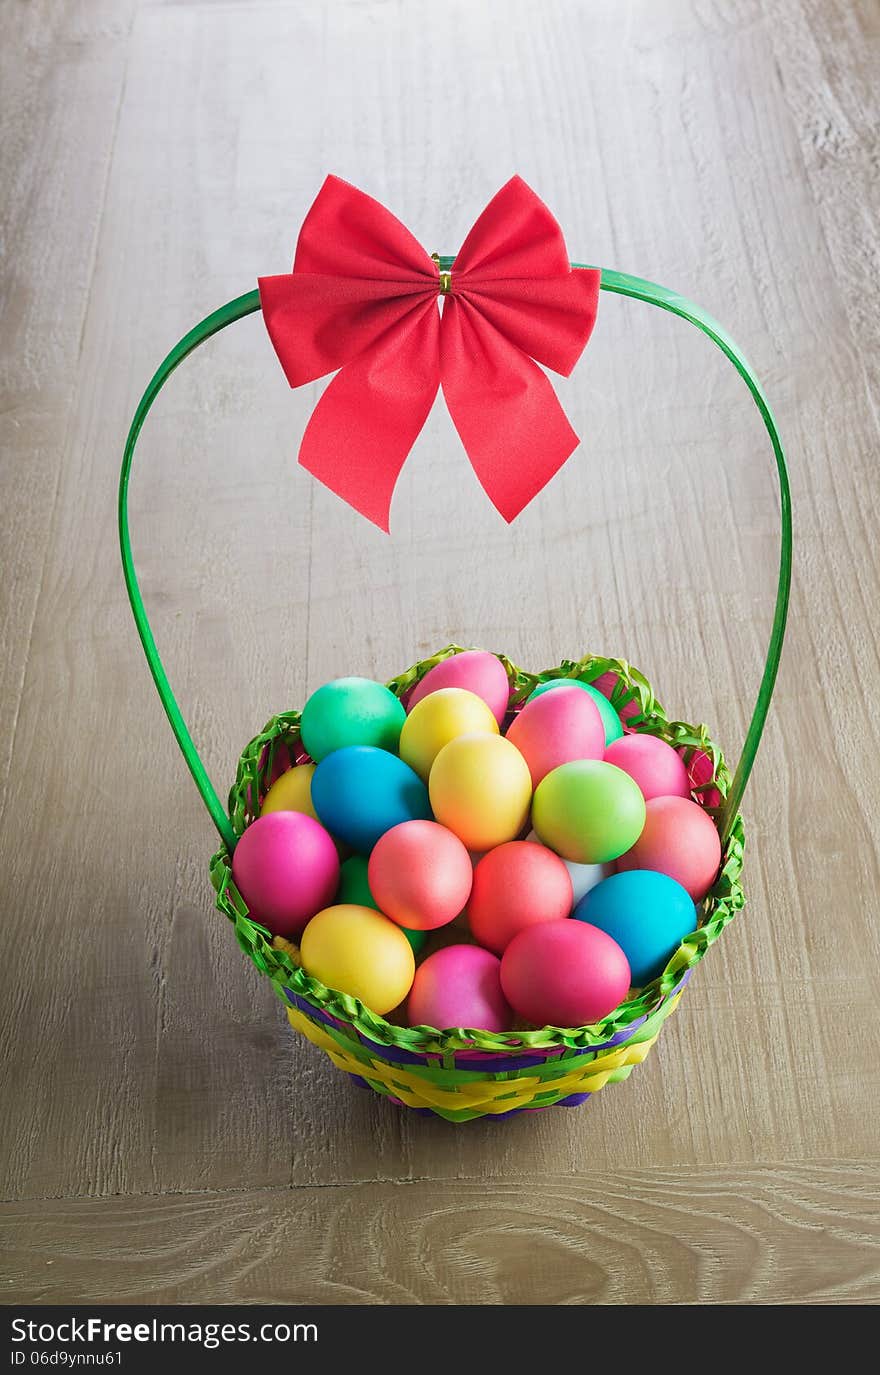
[(371, 414), (504, 408)]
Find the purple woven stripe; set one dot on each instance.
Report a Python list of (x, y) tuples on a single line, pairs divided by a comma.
[(315, 1013)]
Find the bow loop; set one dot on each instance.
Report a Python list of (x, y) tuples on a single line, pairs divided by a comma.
[(362, 301), (515, 236), (347, 233)]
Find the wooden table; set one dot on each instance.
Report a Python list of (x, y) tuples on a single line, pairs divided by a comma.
[(164, 1136)]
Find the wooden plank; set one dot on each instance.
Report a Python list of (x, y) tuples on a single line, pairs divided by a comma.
[(56, 57), (632, 1236), (140, 1054)]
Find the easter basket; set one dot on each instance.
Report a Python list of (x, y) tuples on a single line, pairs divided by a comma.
[(462, 1073)]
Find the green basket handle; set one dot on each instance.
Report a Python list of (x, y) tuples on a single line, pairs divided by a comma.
[(621, 284)]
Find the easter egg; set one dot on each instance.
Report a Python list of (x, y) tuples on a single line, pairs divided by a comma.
[(286, 867), (351, 711), (358, 951), (647, 913), (556, 728), (678, 839), (476, 670), (480, 787), (354, 884), (292, 792), (516, 885), (439, 718), (420, 874), (459, 986), (657, 768), (354, 887), (360, 792), (564, 973), (583, 876), (610, 719), (588, 811)]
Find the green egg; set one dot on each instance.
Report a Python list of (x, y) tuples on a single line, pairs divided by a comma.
[(353, 884), (588, 811), (610, 719), (354, 887), (351, 711)]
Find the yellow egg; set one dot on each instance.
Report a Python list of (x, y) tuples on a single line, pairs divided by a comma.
[(481, 788), (438, 718), (358, 951), (292, 792)]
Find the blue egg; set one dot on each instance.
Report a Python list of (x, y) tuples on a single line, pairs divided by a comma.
[(647, 913), (360, 792)]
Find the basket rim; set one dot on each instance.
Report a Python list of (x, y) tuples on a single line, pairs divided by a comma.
[(279, 959)]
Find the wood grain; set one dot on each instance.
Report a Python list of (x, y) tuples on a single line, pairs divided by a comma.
[(157, 157), (646, 1236)]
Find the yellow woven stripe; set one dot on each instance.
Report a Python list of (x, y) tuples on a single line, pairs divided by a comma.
[(491, 1095)]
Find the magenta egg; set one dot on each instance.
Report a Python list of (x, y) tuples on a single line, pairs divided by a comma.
[(459, 986), (678, 839), (657, 768), (476, 670), (557, 727), (286, 868), (564, 973)]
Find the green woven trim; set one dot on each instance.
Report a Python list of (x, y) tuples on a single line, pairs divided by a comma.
[(453, 1076), (719, 908)]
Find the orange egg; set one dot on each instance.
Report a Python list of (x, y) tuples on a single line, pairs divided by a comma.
[(481, 788)]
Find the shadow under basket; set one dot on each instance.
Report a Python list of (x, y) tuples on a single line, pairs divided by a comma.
[(462, 1074)]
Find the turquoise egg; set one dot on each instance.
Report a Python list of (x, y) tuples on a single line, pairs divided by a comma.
[(351, 711), (610, 719), (646, 912), (360, 792)]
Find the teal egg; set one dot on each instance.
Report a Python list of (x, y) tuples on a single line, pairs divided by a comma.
[(360, 792), (351, 711), (647, 913), (610, 719), (354, 887)]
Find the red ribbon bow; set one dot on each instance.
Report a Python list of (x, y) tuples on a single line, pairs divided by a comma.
[(362, 299)]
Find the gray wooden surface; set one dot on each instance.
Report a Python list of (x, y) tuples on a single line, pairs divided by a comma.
[(163, 1134)]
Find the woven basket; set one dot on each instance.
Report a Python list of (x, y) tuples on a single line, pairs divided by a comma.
[(462, 1073)]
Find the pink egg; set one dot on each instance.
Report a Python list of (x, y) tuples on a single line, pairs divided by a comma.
[(459, 986), (556, 728), (420, 874), (564, 973), (476, 670), (286, 868), (517, 885), (655, 765), (680, 840)]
